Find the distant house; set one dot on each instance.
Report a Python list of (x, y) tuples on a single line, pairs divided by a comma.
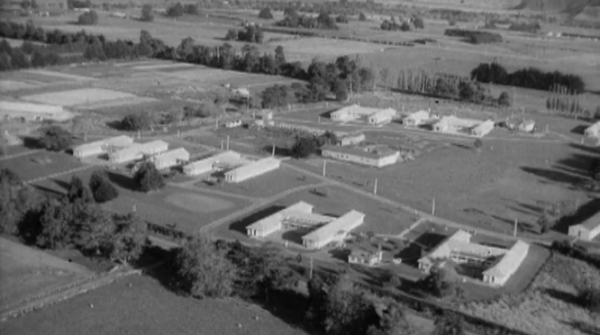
[(252, 170), (233, 124), (242, 93), (102, 146), (444, 124), (376, 158), (593, 131), (527, 126), (382, 116), (588, 229), (211, 163), (498, 264), (10, 140), (483, 128), (416, 119), (335, 231), (170, 158), (138, 151), (371, 115), (33, 111), (350, 139), (364, 257)]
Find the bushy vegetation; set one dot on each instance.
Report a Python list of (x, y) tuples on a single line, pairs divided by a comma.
[(563, 101), (530, 27), (265, 14), (137, 121), (304, 146), (362, 17), (148, 178), (394, 26), (293, 20), (146, 13), (252, 33), (101, 187), (475, 37), (88, 19), (55, 138), (190, 9), (589, 298), (175, 10), (418, 23), (528, 78)]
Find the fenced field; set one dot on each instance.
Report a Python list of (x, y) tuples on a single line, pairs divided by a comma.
[(85, 96)]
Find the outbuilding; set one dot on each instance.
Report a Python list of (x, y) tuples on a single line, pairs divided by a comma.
[(252, 170), (335, 231), (351, 139), (593, 131), (170, 158), (499, 273), (382, 116), (138, 151), (209, 164), (588, 229), (444, 124), (416, 119), (98, 147), (274, 222), (375, 158), (483, 128)]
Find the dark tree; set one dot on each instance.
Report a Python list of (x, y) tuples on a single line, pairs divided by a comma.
[(204, 269), (362, 17), (589, 298), (448, 324), (594, 170), (147, 178), (78, 191), (139, 121), (89, 18), (342, 18), (101, 187), (147, 14), (341, 90), (55, 138), (57, 223), (419, 23), (305, 146), (265, 14), (175, 10), (191, 9), (129, 238), (504, 99), (437, 283), (280, 60)]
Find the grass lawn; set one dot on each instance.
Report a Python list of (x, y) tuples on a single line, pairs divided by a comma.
[(548, 306), (266, 185), (187, 208), (41, 164), (140, 305), (26, 272)]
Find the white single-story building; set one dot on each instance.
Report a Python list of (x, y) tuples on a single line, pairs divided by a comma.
[(33, 112), (483, 128), (10, 140), (382, 116), (209, 164), (274, 222), (593, 131), (499, 263), (351, 139), (376, 158), (527, 126), (588, 229), (445, 123), (102, 146), (416, 119), (170, 158), (335, 231), (138, 151), (233, 124), (252, 170), (365, 257)]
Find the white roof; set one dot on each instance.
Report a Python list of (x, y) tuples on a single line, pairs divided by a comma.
[(117, 140), (256, 165), (227, 155), (27, 107), (275, 219), (422, 114), (592, 223), (179, 153), (593, 128), (356, 109), (485, 126), (511, 260), (343, 223), (383, 113)]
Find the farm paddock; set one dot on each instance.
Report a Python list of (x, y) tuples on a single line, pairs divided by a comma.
[(41, 164), (141, 305), (26, 272), (548, 306)]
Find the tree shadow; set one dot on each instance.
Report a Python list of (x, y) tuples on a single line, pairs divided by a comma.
[(462, 146), (340, 254), (577, 165), (587, 149), (115, 124), (49, 191), (279, 151), (584, 212), (32, 143), (122, 181), (584, 327), (429, 240), (62, 184), (555, 176), (240, 225), (166, 272), (566, 297), (580, 129)]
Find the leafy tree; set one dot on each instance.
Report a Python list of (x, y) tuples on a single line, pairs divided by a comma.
[(305, 146), (148, 178), (478, 144), (504, 99), (56, 221), (545, 222), (147, 14), (265, 14), (231, 35), (138, 121), (341, 90), (204, 270), (191, 9), (280, 60), (448, 324), (419, 23), (55, 138), (175, 10), (471, 91), (101, 187), (405, 26), (129, 238), (392, 321), (437, 283), (590, 298), (317, 303), (362, 17), (89, 18), (342, 18), (269, 271), (95, 231), (78, 191)]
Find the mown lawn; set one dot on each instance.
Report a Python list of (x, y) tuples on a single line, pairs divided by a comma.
[(40, 164)]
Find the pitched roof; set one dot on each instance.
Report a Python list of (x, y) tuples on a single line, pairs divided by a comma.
[(359, 152), (276, 218), (343, 223), (592, 223), (256, 165), (172, 154), (512, 259)]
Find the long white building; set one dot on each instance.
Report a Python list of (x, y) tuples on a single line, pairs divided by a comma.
[(371, 115), (211, 163), (102, 146), (33, 112), (170, 158), (321, 229), (416, 119), (375, 158), (483, 128), (137, 151), (252, 170)]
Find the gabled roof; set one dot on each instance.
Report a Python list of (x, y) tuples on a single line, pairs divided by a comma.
[(275, 219), (343, 223), (511, 260), (592, 223), (422, 114), (172, 154), (359, 152), (256, 165), (117, 140)]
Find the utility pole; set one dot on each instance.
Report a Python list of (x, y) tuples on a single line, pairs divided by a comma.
[(375, 187), (227, 142), (310, 273), (221, 144), (515, 228), (273, 153), (139, 134), (433, 207), (324, 168)]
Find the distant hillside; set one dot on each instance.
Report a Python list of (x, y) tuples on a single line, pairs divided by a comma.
[(570, 7)]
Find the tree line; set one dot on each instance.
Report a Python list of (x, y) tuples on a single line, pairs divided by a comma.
[(252, 33), (529, 78), (294, 20), (474, 36)]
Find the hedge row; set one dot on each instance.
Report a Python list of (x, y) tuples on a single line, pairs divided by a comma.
[(475, 37)]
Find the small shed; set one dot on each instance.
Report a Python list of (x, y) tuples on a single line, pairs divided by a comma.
[(483, 128), (171, 158), (416, 119), (527, 126), (587, 230), (252, 170)]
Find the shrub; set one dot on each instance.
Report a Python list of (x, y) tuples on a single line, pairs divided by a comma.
[(147, 14), (90, 18), (362, 17), (265, 14), (102, 189), (136, 122), (590, 298), (147, 178), (419, 23), (175, 10), (504, 99), (55, 138), (342, 18), (475, 37), (191, 9)]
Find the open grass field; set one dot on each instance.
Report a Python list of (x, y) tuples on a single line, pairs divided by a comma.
[(548, 306), (266, 185), (26, 272), (41, 164), (13, 85), (140, 305), (82, 96)]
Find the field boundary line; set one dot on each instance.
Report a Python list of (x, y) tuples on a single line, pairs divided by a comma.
[(21, 154)]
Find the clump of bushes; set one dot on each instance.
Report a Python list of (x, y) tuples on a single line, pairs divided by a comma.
[(475, 37), (265, 14), (393, 26), (88, 19)]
